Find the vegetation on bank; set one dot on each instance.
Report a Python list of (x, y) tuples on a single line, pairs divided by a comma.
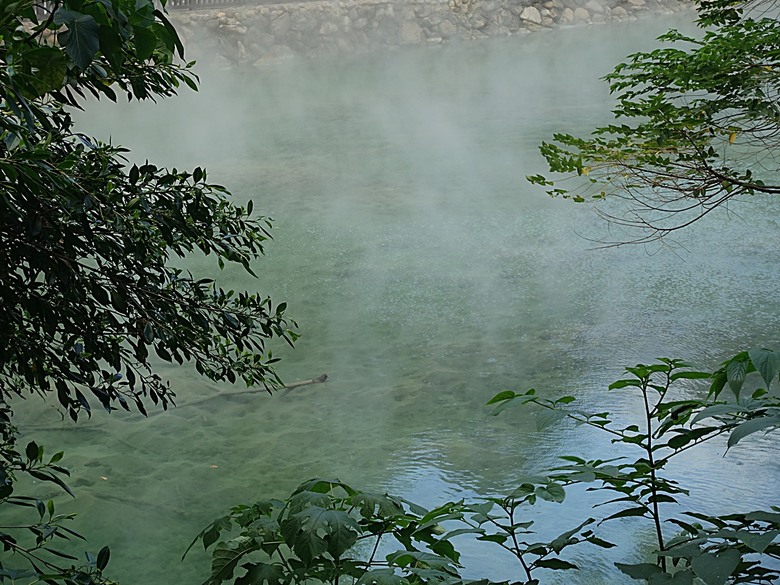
[(89, 243), (90, 292)]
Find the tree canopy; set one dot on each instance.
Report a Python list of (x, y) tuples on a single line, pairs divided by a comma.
[(88, 241), (91, 293), (697, 123)]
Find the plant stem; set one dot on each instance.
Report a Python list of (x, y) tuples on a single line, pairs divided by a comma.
[(511, 513), (653, 486)]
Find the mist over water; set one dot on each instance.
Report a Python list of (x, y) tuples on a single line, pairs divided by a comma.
[(426, 276)]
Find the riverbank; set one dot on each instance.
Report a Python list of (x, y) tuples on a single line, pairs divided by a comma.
[(253, 34)]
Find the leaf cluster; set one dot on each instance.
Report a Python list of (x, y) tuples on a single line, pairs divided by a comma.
[(327, 531), (716, 550), (88, 242), (697, 123), (35, 549)]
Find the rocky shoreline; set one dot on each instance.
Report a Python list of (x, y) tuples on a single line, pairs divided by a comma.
[(253, 34)]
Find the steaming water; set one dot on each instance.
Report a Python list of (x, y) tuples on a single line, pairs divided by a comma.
[(426, 276)]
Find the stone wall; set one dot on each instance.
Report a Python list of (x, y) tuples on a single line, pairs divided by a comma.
[(250, 34)]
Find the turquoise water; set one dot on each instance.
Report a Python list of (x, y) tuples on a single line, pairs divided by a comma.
[(426, 276)]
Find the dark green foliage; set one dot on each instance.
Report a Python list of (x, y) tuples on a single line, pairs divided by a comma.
[(87, 241), (697, 124), (88, 249), (326, 531)]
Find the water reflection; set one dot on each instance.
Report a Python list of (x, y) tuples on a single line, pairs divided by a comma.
[(426, 277)]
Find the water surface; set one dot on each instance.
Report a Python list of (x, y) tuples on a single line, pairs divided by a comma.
[(426, 276)]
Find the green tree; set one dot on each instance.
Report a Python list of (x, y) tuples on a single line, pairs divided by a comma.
[(88, 244), (697, 123)]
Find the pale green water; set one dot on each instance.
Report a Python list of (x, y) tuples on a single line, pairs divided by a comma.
[(426, 276)]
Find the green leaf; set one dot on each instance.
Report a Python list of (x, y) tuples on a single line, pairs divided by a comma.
[(227, 556), (111, 47), (51, 68), (548, 418), (102, 558), (145, 42), (751, 426), (678, 578), (259, 573), (629, 512), (600, 542), (371, 504), (758, 542), (323, 529), (551, 492), (718, 410), (445, 549), (381, 577), (640, 570), (715, 569), (764, 516), (33, 451), (501, 397), (81, 40), (767, 363), (555, 564), (736, 370), (688, 375), (624, 383), (565, 539), (149, 332), (497, 538)]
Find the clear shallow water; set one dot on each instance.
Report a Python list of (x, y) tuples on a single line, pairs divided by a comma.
[(426, 276)]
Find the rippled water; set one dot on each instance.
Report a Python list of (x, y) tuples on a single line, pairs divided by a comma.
[(426, 276)]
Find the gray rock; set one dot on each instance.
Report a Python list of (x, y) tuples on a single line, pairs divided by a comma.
[(594, 6), (447, 29), (531, 14), (508, 20), (281, 25), (328, 28), (581, 15), (411, 33), (619, 13)]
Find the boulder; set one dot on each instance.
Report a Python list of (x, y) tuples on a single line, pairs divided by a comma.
[(531, 14), (594, 7), (411, 33), (581, 15)]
